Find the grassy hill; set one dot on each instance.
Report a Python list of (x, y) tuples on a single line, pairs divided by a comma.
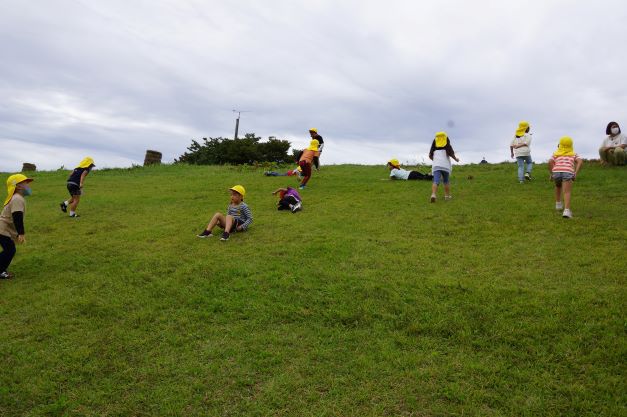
[(371, 301)]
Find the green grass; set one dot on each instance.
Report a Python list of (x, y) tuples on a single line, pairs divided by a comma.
[(371, 301)]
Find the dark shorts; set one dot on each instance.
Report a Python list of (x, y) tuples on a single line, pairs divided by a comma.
[(415, 175), (236, 222), (284, 203), (74, 189)]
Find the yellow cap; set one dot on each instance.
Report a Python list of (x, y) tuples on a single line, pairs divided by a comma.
[(12, 181), (394, 163), (565, 148), (86, 162), (313, 129), (239, 189), (522, 128), (313, 145), (440, 139)]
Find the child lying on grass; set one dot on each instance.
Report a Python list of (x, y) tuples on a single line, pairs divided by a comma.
[(289, 199), (398, 173), (238, 216)]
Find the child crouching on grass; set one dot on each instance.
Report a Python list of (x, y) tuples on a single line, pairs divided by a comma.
[(564, 166), (441, 153), (238, 216), (289, 199)]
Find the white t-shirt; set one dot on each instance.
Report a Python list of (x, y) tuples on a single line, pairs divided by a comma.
[(399, 173), (612, 142), (523, 140)]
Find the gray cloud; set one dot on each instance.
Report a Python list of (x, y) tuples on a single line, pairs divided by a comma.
[(111, 79)]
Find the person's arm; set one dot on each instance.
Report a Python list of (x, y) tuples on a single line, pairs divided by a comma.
[(18, 221), (450, 152), (511, 150), (83, 175), (578, 167), (551, 165), (278, 190), (249, 219), (432, 150)]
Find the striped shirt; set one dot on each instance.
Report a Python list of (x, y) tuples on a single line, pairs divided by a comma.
[(242, 213), (564, 163)]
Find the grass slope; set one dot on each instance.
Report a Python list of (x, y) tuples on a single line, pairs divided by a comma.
[(371, 301)]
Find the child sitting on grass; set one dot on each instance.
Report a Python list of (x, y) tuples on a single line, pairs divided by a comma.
[(289, 199), (441, 153), (238, 216), (398, 173), (564, 166), (12, 220)]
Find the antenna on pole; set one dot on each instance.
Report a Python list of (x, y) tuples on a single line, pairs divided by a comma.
[(239, 112)]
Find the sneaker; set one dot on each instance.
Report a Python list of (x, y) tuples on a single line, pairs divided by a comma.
[(448, 197), (225, 236), (567, 214), (75, 215), (521, 182), (6, 275), (204, 234), (302, 187), (296, 207), (559, 205), (63, 207), (527, 176), (433, 198)]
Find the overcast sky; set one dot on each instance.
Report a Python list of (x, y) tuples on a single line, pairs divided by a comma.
[(113, 78)]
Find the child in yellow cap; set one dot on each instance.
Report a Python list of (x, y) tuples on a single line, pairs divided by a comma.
[(441, 153), (520, 148), (398, 173), (313, 132), (306, 160), (564, 166), (12, 220), (238, 216), (75, 185)]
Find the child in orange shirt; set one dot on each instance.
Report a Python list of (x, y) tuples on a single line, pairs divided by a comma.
[(306, 160)]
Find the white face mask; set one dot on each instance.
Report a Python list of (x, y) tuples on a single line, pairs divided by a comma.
[(615, 130)]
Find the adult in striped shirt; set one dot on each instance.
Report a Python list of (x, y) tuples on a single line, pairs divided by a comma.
[(564, 166), (238, 216)]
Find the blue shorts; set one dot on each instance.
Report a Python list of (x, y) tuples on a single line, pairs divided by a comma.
[(440, 176), (558, 177)]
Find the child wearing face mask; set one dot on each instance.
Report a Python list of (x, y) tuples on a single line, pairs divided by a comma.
[(612, 149), (237, 219), (12, 220)]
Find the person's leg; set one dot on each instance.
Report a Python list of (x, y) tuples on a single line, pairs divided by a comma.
[(529, 164), (437, 177), (218, 219), (316, 162), (568, 186), (74, 203), (306, 167), (7, 254), (619, 156), (558, 192), (447, 185), (228, 223), (521, 167)]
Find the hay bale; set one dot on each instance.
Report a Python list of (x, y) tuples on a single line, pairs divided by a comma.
[(28, 167), (152, 158)]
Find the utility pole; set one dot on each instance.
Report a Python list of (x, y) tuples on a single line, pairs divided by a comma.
[(239, 112)]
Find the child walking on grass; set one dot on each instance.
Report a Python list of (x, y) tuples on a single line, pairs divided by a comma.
[(238, 216), (12, 220), (289, 199), (75, 184), (441, 153), (520, 148), (564, 166)]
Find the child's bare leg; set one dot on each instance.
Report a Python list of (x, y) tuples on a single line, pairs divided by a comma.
[(228, 223), (558, 193), (74, 202), (568, 186), (434, 188), (447, 189), (217, 219)]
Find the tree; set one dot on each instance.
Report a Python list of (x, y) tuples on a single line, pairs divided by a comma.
[(246, 150)]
